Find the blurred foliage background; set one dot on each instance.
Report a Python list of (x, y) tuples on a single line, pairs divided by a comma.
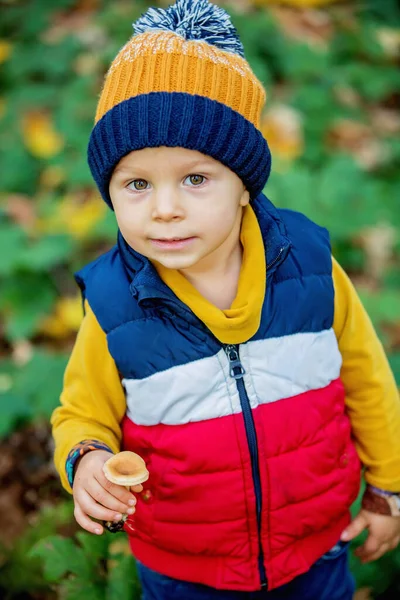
[(331, 70)]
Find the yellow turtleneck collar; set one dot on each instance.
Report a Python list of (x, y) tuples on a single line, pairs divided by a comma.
[(241, 321)]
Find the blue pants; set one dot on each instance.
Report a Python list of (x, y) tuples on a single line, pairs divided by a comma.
[(328, 579)]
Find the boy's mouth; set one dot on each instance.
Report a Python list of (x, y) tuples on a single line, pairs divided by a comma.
[(175, 243)]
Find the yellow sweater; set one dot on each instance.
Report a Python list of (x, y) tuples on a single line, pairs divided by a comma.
[(93, 400)]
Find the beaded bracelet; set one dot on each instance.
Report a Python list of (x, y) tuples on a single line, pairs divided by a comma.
[(78, 451)]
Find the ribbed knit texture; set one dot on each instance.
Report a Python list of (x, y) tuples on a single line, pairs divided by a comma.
[(165, 62), (190, 87), (176, 119)]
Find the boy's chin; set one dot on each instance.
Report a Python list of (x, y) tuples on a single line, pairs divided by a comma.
[(177, 262)]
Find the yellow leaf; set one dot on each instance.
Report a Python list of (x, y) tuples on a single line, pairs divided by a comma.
[(87, 64), (40, 137), (52, 176), (73, 216), (282, 128), (66, 318), (83, 219), (5, 50)]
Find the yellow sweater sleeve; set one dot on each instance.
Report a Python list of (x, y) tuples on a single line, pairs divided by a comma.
[(92, 401), (372, 397)]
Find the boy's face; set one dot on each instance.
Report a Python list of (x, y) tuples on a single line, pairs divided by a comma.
[(178, 207)]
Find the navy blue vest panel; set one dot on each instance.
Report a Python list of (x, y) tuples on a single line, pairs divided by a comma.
[(299, 294)]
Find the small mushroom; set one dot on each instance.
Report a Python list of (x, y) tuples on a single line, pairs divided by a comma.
[(127, 469)]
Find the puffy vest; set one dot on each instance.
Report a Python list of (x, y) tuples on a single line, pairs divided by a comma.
[(252, 466)]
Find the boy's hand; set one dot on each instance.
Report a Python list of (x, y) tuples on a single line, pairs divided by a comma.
[(384, 534), (95, 496)]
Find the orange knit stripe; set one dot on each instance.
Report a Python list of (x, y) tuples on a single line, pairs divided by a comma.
[(165, 62)]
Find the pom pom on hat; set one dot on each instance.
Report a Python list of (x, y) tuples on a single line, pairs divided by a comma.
[(196, 20)]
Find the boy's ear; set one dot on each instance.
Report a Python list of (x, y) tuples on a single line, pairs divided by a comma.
[(245, 199)]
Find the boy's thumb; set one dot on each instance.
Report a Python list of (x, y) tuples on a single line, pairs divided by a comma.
[(354, 529)]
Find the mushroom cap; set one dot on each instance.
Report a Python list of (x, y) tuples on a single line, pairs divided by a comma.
[(126, 468)]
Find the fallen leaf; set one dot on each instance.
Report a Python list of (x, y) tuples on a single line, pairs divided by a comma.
[(347, 96), (74, 216), (282, 128), (378, 243), (40, 136), (5, 50), (52, 176), (79, 23), (22, 352), (389, 39), (360, 141), (372, 154), (66, 318), (87, 64), (349, 135), (21, 209), (117, 547), (385, 121), (314, 27)]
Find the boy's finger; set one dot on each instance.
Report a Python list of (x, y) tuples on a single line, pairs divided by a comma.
[(107, 499), (356, 527), (366, 556), (137, 488), (119, 491), (362, 551), (371, 546), (86, 523), (90, 507)]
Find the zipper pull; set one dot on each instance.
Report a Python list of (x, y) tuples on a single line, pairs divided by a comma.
[(236, 369)]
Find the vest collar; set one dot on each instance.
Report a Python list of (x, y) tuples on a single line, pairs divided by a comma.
[(146, 285)]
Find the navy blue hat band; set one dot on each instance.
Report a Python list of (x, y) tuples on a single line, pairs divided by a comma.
[(184, 120)]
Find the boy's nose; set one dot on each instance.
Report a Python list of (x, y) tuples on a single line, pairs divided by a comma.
[(167, 206)]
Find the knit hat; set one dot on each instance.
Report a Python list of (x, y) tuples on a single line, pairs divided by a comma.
[(182, 80)]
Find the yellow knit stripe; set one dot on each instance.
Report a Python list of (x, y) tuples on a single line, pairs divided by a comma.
[(165, 62), (240, 322)]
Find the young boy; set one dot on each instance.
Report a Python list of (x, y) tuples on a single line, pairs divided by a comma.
[(221, 342)]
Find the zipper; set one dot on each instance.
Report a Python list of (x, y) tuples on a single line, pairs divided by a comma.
[(271, 264), (236, 370)]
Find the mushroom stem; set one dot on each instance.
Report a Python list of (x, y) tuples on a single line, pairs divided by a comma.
[(128, 470)]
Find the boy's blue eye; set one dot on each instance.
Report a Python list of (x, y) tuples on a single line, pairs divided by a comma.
[(195, 180), (139, 184)]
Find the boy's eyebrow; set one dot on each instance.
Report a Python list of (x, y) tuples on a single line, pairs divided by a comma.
[(203, 162), (122, 169)]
